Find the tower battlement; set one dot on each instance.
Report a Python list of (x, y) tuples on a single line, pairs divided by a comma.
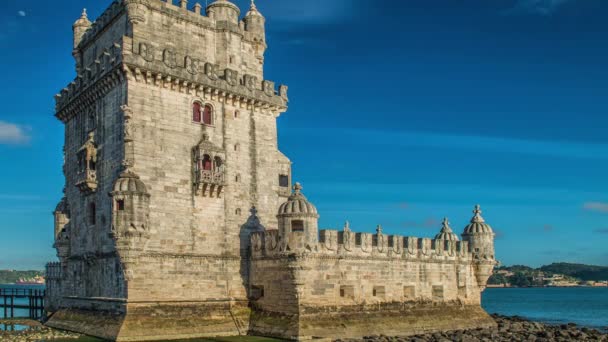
[(347, 243)]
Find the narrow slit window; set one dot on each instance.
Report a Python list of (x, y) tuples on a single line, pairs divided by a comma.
[(120, 205)]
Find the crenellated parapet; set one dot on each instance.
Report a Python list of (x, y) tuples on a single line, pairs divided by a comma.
[(348, 244), (93, 82), (177, 70)]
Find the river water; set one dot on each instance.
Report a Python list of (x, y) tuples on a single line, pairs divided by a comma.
[(581, 305)]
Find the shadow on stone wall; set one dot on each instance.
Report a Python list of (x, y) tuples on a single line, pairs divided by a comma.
[(252, 225)]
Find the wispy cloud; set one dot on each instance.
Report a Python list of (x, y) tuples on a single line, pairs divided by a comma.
[(310, 11), (13, 134), (461, 142), (541, 7), (429, 223), (15, 197), (596, 206), (22, 13), (601, 231)]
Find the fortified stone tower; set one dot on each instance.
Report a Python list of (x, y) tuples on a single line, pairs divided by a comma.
[(178, 219), (170, 141)]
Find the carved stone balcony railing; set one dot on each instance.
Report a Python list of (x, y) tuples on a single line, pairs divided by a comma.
[(210, 182), (86, 181)]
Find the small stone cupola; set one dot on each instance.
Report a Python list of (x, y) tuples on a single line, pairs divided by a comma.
[(80, 27), (446, 232), (130, 206), (298, 217), (480, 236), (224, 10)]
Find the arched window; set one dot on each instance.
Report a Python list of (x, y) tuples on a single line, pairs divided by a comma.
[(217, 163), (208, 115), (196, 112), (207, 165)]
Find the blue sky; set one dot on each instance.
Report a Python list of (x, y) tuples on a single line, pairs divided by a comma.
[(411, 111)]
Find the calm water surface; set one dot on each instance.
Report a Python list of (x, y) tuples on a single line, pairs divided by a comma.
[(581, 305)]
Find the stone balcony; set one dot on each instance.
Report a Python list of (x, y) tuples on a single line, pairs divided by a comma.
[(86, 181), (210, 182)]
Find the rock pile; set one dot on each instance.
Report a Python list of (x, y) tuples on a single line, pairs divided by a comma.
[(33, 332), (509, 329)]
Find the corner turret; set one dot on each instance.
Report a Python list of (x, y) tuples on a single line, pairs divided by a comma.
[(130, 218), (298, 221), (481, 243), (255, 24), (224, 10), (80, 27)]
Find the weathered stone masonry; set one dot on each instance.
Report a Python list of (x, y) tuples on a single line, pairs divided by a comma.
[(169, 229)]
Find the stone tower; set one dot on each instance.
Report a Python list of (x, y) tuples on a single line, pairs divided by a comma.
[(178, 220), (170, 142)]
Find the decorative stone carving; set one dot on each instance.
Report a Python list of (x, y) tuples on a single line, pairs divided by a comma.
[(192, 65), (170, 58), (210, 71), (250, 81), (146, 51), (231, 76), (87, 166), (268, 87)]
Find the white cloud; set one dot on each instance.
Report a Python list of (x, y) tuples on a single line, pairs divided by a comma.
[(542, 7), (22, 13), (596, 206), (13, 134)]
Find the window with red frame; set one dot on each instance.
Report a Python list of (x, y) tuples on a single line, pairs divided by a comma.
[(207, 115), (196, 112)]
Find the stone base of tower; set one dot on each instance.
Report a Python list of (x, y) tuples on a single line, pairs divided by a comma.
[(157, 321), (392, 319)]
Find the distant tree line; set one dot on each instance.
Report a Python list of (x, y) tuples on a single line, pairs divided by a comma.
[(525, 276), (580, 271), (10, 277)]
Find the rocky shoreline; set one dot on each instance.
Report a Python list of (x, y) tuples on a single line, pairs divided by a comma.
[(26, 330), (509, 329)]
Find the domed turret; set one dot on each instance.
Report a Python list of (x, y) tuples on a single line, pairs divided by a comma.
[(298, 218), (80, 27), (131, 206), (129, 182), (446, 232), (224, 10), (481, 243), (255, 24)]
